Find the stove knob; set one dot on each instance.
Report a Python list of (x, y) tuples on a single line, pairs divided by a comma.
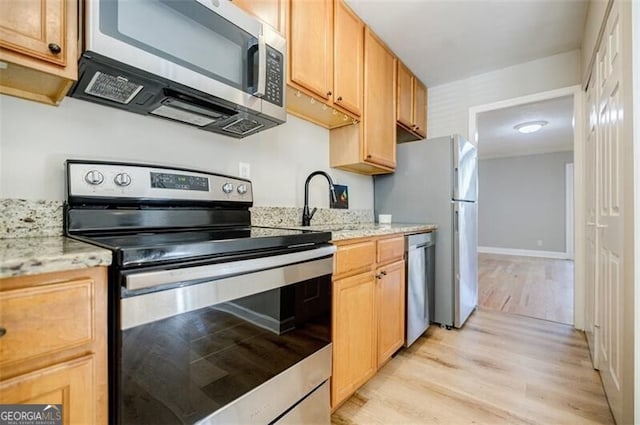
[(94, 177), (122, 179), (242, 189), (227, 188)]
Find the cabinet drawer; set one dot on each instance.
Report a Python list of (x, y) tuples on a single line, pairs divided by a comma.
[(41, 321), (390, 249), (352, 258), (70, 384)]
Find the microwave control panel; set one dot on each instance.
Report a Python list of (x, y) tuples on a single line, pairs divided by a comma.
[(275, 77)]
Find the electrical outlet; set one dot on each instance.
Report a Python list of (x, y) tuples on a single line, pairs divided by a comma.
[(244, 170), (539, 242)]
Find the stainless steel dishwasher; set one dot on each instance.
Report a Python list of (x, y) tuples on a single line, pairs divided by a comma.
[(421, 260)]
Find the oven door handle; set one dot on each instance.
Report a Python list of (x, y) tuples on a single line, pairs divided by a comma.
[(151, 307), (143, 280)]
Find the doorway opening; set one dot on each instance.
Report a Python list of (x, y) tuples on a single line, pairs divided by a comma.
[(527, 224)]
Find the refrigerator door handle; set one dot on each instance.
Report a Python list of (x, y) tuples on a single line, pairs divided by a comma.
[(455, 222), (456, 190)]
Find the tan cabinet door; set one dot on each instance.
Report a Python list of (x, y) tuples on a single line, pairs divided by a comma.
[(379, 103), (390, 293), (70, 384), (270, 12), (311, 46), (405, 96), (348, 58), (354, 334), (34, 28), (420, 108)]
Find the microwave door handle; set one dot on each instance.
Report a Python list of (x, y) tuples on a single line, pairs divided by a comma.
[(262, 67)]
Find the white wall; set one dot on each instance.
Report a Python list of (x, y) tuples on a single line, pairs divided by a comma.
[(36, 139), (449, 103)]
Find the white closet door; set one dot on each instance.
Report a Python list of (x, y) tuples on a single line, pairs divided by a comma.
[(592, 324), (609, 217)]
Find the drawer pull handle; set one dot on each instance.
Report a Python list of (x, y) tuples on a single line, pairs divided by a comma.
[(378, 276), (383, 272), (2, 331), (54, 48)]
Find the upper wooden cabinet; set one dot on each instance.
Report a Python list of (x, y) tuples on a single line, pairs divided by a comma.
[(348, 58), (404, 108), (370, 147), (311, 46), (325, 68), (411, 110), (271, 12), (38, 45)]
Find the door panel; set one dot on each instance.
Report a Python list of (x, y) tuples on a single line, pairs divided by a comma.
[(466, 261), (610, 220), (592, 277)]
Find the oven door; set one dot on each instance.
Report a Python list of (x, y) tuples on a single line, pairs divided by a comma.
[(242, 348), (211, 46)]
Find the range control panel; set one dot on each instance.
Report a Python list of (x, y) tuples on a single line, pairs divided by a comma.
[(113, 180)]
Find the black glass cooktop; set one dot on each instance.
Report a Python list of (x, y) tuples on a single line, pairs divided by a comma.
[(145, 248)]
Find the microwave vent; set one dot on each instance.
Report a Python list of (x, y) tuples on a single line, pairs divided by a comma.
[(243, 126), (116, 88)]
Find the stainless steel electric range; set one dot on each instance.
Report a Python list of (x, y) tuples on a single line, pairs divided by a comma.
[(211, 320)]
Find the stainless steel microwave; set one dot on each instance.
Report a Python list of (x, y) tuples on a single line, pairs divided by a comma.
[(205, 63)]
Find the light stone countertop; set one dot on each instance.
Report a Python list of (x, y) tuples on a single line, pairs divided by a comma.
[(362, 230), (28, 256)]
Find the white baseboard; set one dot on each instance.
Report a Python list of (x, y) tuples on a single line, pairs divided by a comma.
[(523, 252)]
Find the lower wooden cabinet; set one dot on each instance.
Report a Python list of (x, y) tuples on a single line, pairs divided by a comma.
[(390, 308), (53, 347), (69, 384), (368, 310), (354, 334)]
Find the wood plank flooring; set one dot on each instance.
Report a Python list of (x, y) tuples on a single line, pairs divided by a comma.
[(534, 287), (498, 369)]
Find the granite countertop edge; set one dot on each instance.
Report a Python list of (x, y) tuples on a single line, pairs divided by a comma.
[(363, 230), (30, 256)]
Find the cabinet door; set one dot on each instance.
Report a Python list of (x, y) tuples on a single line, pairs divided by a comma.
[(311, 45), (390, 308), (354, 334), (270, 12), (30, 27), (379, 131), (420, 108), (405, 96), (70, 384), (348, 58)]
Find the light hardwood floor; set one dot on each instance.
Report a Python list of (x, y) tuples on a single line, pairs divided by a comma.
[(535, 287), (498, 369)]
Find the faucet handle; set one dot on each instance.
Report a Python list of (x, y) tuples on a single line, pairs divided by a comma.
[(313, 211)]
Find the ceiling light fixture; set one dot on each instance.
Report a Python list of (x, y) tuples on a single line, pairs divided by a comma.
[(530, 126)]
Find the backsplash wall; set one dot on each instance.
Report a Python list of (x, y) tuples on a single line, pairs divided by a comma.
[(36, 139)]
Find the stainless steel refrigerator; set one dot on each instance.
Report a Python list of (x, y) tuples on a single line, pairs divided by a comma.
[(436, 182)]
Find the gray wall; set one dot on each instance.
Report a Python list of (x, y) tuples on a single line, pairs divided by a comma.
[(522, 201)]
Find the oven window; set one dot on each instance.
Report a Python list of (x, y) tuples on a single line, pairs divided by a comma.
[(182, 369), (208, 44)]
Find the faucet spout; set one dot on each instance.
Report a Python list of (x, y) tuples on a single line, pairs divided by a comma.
[(306, 214)]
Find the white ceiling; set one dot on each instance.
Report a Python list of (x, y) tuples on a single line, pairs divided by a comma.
[(448, 40), (498, 138)]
